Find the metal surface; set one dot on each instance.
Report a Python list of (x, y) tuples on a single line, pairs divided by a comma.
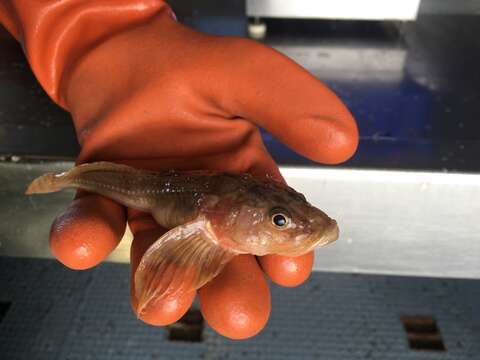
[(350, 61), (392, 222), (335, 9), (471, 7), (58, 314), (25, 220), (415, 104)]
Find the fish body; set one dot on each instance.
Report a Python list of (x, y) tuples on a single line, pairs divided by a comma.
[(212, 216)]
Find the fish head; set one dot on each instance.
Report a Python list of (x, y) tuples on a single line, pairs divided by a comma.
[(271, 218)]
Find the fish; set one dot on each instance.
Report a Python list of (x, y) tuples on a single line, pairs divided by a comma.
[(210, 217)]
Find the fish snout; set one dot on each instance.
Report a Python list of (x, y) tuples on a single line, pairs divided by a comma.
[(331, 233), (324, 229), (327, 234)]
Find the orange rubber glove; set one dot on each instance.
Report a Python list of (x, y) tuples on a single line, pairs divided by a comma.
[(147, 91)]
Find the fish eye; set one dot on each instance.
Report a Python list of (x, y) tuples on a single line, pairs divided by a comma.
[(280, 218)]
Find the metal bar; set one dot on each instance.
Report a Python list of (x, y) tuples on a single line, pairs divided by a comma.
[(334, 9), (397, 222), (382, 64)]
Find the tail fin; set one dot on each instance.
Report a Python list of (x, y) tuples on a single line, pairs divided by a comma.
[(52, 182), (48, 183)]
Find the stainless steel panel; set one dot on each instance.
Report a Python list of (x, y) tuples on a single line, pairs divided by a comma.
[(442, 7), (366, 62), (392, 222), (335, 9), (396, 222), (25, 220)]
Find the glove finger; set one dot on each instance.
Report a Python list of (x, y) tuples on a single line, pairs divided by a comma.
[(236, 303), (287, 271), (87, 231), (277, 94)]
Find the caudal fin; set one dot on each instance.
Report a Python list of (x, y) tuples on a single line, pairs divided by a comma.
[(51, 182), (48, 183)]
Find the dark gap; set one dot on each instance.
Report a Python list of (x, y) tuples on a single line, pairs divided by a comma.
[(4, 306), (433, 343), (371, 31), (423, 333), (189, 328), (420, 324)]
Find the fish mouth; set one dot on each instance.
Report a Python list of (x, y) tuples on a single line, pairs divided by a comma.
[(329, 235)]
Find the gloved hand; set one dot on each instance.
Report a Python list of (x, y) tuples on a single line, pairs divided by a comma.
[(147, 91)]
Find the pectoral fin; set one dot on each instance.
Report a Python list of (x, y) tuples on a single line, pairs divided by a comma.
[(183, 259)]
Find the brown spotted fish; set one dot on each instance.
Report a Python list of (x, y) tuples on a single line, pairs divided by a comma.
[(212, 216)]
